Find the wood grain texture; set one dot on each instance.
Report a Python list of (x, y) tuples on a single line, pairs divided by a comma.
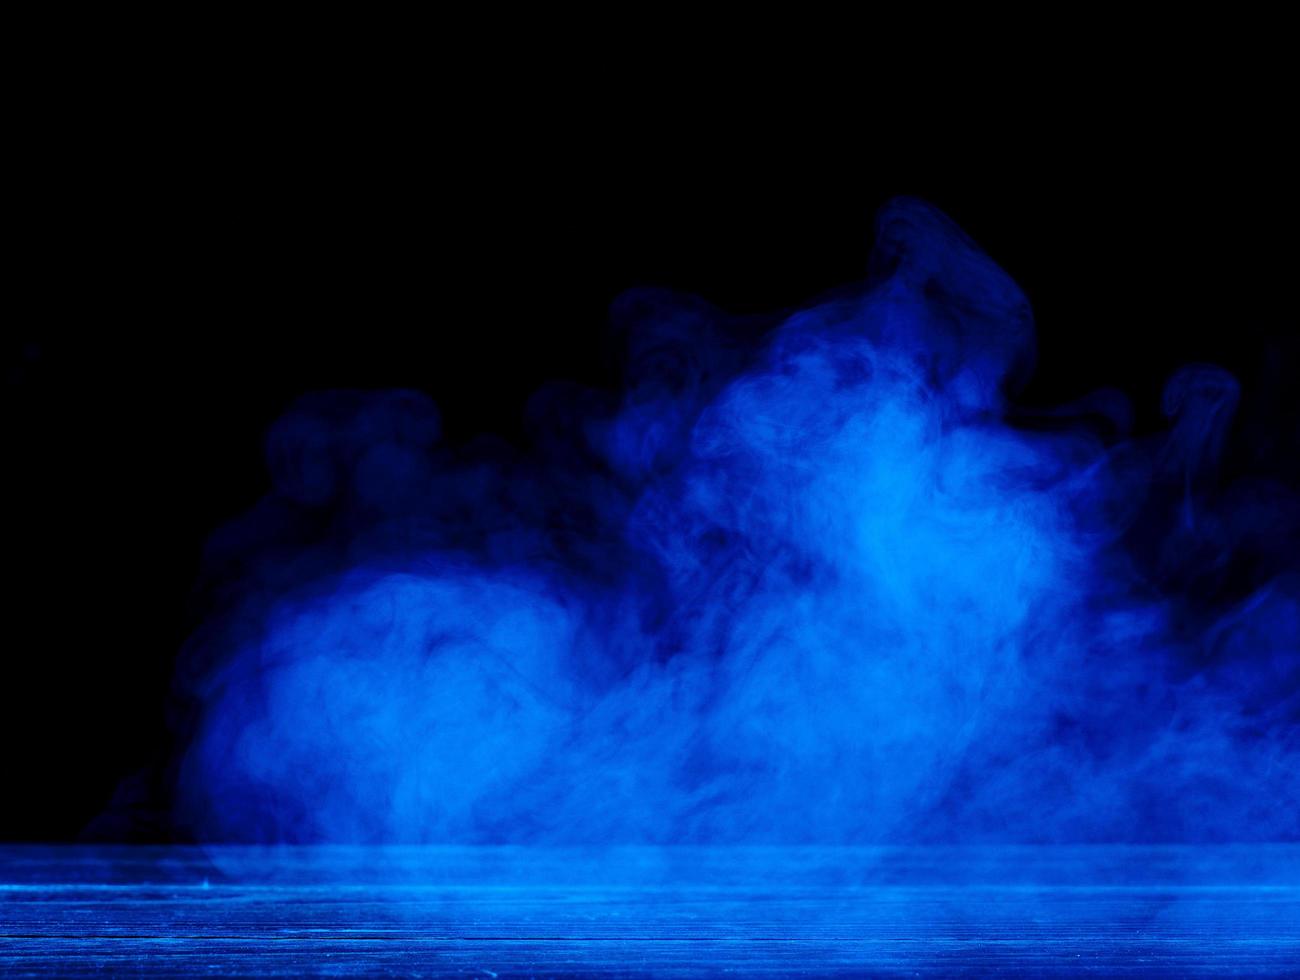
[(644, 912)]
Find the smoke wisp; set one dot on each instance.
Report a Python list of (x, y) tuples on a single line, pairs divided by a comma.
[(825, 586)]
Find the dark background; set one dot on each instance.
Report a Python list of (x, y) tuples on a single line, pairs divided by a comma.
[(194, 267)]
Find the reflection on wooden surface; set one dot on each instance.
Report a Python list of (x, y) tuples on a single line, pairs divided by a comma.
[(510, 911)]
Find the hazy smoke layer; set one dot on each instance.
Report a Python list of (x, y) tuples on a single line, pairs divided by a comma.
[(813, 588)]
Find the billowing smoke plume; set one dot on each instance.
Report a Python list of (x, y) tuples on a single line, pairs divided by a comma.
[(817, 587)]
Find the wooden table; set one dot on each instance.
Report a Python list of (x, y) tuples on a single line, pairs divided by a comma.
[(506, 911)]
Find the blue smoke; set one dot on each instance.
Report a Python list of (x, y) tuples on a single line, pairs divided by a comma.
[(823, 586)]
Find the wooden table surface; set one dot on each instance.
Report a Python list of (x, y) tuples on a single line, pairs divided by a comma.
[(506, 911)]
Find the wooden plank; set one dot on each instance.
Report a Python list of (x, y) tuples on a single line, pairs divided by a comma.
[(641, 911)]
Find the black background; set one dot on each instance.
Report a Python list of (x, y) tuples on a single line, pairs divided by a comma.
[(198, 262)]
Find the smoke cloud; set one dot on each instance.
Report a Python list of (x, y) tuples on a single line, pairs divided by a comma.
[(830, 585)]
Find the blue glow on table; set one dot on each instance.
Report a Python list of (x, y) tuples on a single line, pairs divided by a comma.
[(519, 911)]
